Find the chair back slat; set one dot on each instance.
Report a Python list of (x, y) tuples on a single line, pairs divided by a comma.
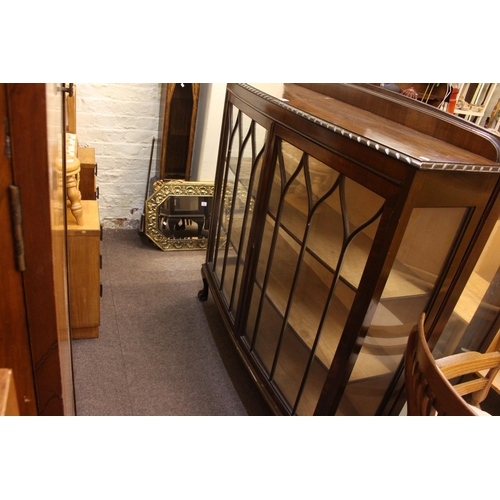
[(428, 390)]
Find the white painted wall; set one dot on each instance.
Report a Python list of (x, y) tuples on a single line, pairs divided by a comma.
[(119, 121), (208, 127)]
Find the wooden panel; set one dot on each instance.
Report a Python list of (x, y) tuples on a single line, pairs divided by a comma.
[(15, 350), (378, 124), (87, 173), (84, 272), (8, 397), (374, 104)]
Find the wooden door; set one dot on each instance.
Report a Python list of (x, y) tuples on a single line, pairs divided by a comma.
[(15, 350), (34, 337)]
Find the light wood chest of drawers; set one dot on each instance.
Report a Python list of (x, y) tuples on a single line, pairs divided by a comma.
[(84, 264)]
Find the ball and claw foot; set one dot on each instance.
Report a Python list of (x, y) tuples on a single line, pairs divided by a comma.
[(203, 293)]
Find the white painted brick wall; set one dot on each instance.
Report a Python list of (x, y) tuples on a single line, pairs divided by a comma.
[(119, 121)]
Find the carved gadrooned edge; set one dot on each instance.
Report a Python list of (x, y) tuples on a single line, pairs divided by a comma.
[(162, 190), (420, 164)]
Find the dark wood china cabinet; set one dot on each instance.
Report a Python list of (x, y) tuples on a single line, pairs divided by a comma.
[(341, 212)]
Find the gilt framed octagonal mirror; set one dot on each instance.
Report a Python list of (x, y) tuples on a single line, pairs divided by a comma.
[(177, 214)]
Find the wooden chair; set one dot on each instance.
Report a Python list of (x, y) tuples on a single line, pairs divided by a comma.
[(428, 386)]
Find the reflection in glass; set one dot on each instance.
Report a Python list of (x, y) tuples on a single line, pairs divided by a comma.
[(185, 216), (475, 322), (405, 296)]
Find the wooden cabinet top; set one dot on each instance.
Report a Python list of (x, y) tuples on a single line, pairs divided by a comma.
[(86, 157), (394, 125), (91, 221)]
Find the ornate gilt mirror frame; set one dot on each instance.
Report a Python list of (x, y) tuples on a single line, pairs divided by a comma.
[(162, 191)]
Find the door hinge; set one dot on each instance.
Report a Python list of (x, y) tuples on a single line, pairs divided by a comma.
[(17, 226), (69, 89)]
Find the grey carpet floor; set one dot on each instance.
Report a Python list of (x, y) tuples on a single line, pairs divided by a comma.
[(160, 350)]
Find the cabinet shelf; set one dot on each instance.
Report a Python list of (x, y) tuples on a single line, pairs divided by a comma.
[(326, 247), (308, 301)]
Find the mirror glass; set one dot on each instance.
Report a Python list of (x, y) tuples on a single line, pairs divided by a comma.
[(183, 217)]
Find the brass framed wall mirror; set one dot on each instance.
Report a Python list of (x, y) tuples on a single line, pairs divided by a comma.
[(178, 214)]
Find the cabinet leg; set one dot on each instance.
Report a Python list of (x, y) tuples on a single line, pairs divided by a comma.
[(203, 293)]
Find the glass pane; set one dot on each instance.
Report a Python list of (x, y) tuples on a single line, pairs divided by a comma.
[(290, 369), (363, 219), (260, 277), (288, 163), (282, 270), (229, 271), (326, 231), (225, 259), (294, 209), (220, 252), (242, 170), (475, 322), (266, 342), (334, 323), (226, 195), (431, 233), (300, 349), (249, 177)]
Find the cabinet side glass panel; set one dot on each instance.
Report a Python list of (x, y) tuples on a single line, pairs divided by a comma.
[(426, 245), (474, 324)]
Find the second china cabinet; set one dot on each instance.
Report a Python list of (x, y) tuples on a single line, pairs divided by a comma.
[(341, 212)]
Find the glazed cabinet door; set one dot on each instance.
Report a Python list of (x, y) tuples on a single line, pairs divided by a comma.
[(243, 151), (315, 245)]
